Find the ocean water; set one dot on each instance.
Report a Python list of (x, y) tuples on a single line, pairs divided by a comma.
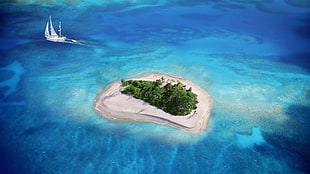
[(252, 57)]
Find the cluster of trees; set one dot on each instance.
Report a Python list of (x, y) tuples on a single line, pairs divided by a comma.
[(174, 99)]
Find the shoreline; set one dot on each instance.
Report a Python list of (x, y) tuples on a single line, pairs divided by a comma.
[(114, 105)]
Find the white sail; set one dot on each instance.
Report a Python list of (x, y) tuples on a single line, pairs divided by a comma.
[(47, 33), (53, 32)]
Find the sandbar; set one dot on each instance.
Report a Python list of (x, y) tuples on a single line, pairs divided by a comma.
[(114, 105)]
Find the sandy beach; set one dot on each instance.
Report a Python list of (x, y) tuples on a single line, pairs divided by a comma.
[(114, 105)]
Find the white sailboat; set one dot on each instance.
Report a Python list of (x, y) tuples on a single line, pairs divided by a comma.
[(51, 34)]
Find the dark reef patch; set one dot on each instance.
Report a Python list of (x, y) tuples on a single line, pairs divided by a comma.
[(49, 64), (6, 75), (301, 113), (40, 129), (199, 16), (301, 59), (299, 3), (303, 31), (228, 6), (297, 138)]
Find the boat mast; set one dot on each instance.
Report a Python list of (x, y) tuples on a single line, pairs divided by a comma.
[(59, 28)]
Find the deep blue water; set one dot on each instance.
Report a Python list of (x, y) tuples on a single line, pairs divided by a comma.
[(252, 58)]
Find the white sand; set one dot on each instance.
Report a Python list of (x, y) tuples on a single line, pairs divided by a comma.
[(112, 104)]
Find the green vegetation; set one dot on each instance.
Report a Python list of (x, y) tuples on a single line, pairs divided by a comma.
[(174, 99)]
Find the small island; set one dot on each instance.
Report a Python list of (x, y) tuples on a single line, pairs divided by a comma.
[(157, 98)]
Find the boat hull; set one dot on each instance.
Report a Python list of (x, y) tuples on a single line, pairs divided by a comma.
[(56, 39)]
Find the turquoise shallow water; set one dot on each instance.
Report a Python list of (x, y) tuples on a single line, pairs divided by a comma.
[(252, 58)]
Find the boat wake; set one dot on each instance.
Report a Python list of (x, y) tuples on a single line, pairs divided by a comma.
[(73, 41), (80, 42)]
